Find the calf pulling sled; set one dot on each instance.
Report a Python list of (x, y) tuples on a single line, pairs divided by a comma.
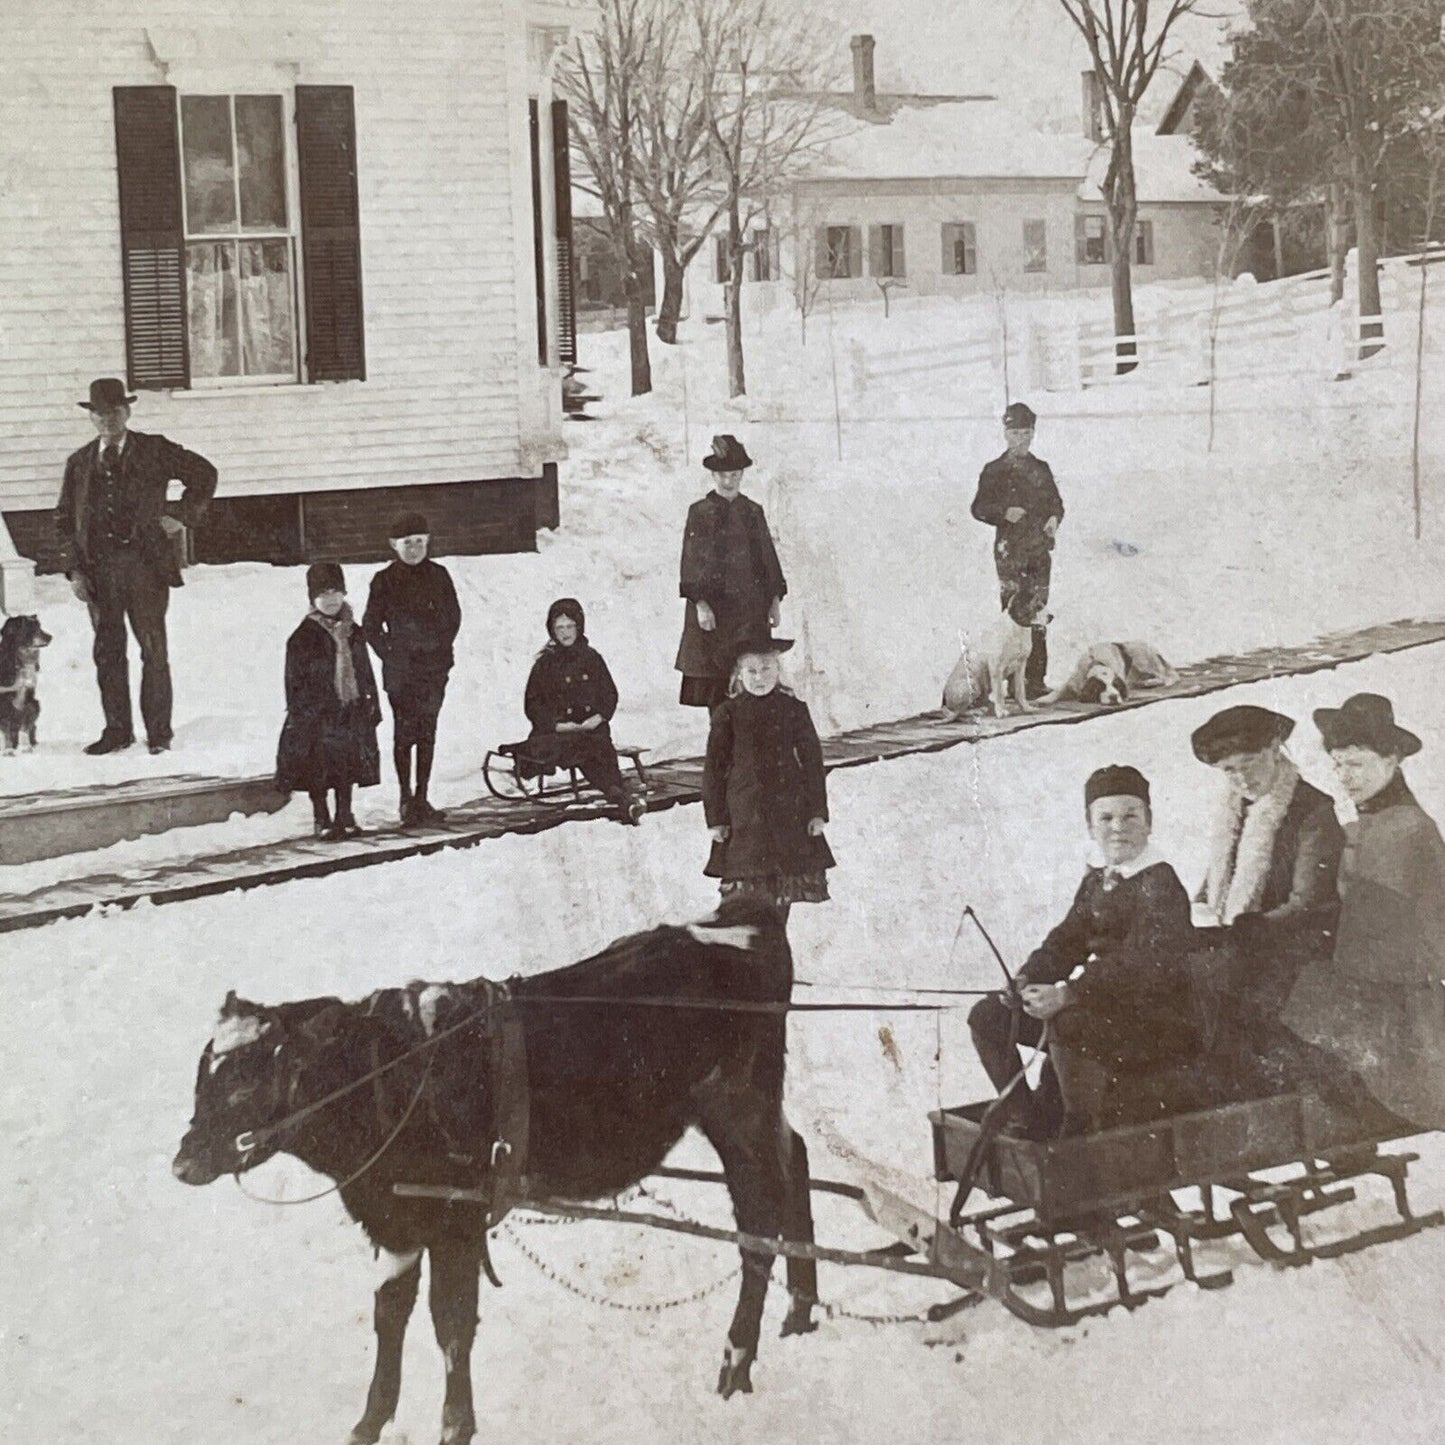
[(435, 1108)]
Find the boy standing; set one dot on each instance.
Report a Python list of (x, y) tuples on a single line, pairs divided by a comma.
[(411, 621), (1018, 498)]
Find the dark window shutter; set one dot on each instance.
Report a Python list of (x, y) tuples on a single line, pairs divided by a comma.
[(330, 232), (152, 236), (875, 250), (855, 252), (822, 253), (900, 261), (539, 262), (566, 256), (1081, 240)]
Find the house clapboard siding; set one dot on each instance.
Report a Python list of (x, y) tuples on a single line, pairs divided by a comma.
[(440, 98)]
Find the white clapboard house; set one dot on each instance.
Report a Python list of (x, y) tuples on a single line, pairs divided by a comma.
[(322, 241)]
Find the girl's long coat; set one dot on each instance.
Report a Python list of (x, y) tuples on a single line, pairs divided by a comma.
[(1379, 1003), (729, 562), (763, 778), (323, 743)]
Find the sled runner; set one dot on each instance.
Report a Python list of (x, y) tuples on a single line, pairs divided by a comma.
[(1270, 1163), (510, 773)]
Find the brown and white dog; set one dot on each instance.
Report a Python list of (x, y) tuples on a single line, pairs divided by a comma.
[(1109, 671), (21, 639)]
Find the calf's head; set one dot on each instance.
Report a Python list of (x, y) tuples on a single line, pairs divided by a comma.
[(246, 1083)]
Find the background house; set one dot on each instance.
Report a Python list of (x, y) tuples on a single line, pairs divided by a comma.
[(326, 243), (955, 194)]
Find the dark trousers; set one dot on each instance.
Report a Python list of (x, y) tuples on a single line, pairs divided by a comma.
[(997, 1031), (123, 587)]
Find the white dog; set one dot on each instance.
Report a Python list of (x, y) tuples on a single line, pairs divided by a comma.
[(985, 674)]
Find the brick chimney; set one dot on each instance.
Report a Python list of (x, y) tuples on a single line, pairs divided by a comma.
[(864, 90)]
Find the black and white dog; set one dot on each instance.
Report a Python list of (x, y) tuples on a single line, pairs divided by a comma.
[(21, 639)]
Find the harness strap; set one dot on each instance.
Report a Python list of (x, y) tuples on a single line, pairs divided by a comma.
[(512, 1106)]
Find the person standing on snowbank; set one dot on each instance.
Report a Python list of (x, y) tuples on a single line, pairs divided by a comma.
[(764, 790), (731, 578), (328, 742), (411, 621), (1017, 497)]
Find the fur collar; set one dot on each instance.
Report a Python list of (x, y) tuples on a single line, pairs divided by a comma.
[(1242, 846)]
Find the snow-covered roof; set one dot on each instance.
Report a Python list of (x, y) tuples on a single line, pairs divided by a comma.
[(1163, 171), (975, 138)]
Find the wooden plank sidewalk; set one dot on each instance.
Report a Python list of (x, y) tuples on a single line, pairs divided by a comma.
[(670, 784)]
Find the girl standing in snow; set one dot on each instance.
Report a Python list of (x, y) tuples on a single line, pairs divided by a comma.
[(328, 742), (764, 791)]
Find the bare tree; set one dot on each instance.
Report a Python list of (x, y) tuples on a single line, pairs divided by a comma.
[(806, 280), (679, 191), (1126, 40), (600, 79), (764, 104)]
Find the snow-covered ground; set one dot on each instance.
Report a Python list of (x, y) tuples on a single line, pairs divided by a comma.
[(140, 1312), (1299, 518)]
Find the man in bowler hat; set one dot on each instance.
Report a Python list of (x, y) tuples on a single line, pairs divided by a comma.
[(115, 529), (1018, 498)]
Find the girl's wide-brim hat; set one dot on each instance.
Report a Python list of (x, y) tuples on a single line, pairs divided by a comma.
[(1237, 730), (1366, 720), (752, 644), (728, 455)]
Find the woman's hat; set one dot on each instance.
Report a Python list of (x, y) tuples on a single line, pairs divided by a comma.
[(728, 455), (1116, 781), (1366, 720), (1018, 416), (409, 524), (566, 607), (1236, 730), (107, 392), (757, 641), (324, 577)]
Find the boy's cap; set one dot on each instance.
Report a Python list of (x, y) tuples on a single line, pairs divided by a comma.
[(1018, 416), (409, 524), (1117, 781), (324, 577)]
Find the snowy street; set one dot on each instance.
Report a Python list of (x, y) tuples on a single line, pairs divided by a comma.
[(143, 1311)]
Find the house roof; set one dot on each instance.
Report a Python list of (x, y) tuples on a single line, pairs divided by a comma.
[(971, 138), (1189, 88), (1163, 172)]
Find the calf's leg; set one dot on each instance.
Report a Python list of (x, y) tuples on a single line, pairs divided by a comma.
[(395, 1297), (798, 1228), (747, 1144), (455, 1271)]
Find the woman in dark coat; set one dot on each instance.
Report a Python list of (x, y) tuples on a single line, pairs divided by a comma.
[(1378, 1005), (570, 701), (328, 742), (731, 577), (764, 791)]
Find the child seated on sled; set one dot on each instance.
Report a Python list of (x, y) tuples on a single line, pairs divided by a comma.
[(1107, 992), (570, 701)]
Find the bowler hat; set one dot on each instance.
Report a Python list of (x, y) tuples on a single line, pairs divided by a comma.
[(1243, 729), (756, 640), (728, 455), (1366, 720), (1018, 415), (1116, 781), (107, 392)]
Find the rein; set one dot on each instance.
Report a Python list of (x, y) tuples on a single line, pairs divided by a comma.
[(346, 1183)]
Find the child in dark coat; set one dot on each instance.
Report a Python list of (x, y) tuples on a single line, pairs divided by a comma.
[(570, 701), (411, 621), (764, 791), (328, 742), (1110, 983)]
